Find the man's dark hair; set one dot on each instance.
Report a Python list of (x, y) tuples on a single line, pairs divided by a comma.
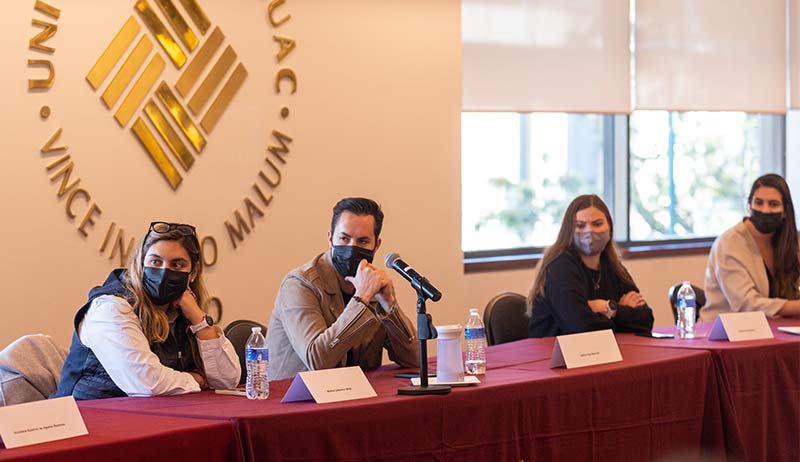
[(358, 206)]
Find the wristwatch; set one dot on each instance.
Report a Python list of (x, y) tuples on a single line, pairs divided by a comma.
[(612, 309), (207, 321)]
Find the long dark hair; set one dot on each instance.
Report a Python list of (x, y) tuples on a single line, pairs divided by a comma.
[(786, 265), (565, 241)]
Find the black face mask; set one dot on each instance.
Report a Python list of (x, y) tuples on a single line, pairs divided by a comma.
[(766, 223), (164, 285), (347, 257)]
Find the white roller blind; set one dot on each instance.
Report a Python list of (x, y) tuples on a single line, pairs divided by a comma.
[(794, 52), (546, 55), (711, 55)]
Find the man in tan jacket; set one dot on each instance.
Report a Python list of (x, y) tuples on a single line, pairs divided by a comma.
[(338, 309)]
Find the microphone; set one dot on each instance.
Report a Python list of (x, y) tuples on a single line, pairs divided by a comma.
[(417, 281)]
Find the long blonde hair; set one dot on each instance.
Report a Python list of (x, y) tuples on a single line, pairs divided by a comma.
[(565, 241), (154, 321)]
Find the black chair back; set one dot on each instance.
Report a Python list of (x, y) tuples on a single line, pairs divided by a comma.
[(238, 332), (506, 318), (700, 298)]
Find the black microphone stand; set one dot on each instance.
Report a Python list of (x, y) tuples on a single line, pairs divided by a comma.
[(425, 331)]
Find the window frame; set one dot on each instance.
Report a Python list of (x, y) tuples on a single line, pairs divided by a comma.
[(616, 165)]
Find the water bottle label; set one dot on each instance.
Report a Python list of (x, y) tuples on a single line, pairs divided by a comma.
[(256, 354), (687, 303), (474, 333)]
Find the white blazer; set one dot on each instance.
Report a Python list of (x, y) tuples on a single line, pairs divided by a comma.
[(736, 279)]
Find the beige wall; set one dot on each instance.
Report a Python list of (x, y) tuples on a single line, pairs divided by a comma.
[(377, 113)]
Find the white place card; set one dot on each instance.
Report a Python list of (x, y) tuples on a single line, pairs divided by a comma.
[(468, 380), (586, 349), (748, 325), (329, 386), (40, 422), (790, 329)]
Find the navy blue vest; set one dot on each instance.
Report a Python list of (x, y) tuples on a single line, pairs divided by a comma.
[(84, 377)]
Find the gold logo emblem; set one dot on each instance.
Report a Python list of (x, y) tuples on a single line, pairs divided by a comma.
[(171, 111), (139, 65)]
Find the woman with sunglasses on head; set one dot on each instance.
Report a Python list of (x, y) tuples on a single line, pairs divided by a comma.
[(755, 266), (581, 285), (144, 331)]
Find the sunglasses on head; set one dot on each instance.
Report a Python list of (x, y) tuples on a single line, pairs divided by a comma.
[(162, 227)]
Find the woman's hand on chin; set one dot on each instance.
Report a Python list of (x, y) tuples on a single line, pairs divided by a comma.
[(189, 307)]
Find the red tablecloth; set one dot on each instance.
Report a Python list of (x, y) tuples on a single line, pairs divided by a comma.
[(125, 436), (759, 389), (636, 409), (630, 410)]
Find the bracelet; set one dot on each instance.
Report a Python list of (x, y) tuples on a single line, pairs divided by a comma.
[(360, 300), (195, 328)]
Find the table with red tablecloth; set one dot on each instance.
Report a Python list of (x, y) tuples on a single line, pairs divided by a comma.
[(759, 392), (133, 437), (656, 403), (669, 399)]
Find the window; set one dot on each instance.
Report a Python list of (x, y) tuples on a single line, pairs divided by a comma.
[(688, 173), (521, 170), (691, 171), (672, 175)]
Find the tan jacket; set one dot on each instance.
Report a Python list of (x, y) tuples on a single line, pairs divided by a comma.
[(311, 329), (736, 279)]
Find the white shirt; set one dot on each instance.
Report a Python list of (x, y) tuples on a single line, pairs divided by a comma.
[(114, 334)]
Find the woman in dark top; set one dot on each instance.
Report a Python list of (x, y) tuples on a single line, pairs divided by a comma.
[(581, 285)]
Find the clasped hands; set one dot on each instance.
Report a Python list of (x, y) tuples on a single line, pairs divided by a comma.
[(371, 281)]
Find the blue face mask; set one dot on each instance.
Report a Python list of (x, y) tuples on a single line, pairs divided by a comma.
[(347, 257), (164, 285)]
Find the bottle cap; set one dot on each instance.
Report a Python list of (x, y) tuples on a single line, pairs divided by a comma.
[(256, 329), (473, 311)]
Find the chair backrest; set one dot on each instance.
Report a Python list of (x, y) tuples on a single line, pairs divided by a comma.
[(30, 369), (506, 318), (238, 332), (700, 298)]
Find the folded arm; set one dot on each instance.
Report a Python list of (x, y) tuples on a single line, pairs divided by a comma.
[(113, 333)]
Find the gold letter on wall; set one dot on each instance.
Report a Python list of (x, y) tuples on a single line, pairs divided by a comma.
[(274, 5), (287, 45), (36, 42), (42, 83), (283, 149), (285, 74)]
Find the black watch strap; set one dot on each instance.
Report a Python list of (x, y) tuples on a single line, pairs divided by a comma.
[(612, 309)]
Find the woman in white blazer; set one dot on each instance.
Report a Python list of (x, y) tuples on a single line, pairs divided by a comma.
[(755, 266)]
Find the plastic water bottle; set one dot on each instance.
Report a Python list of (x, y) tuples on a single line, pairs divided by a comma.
[(687, 310), (257, 359), (475, 333)]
